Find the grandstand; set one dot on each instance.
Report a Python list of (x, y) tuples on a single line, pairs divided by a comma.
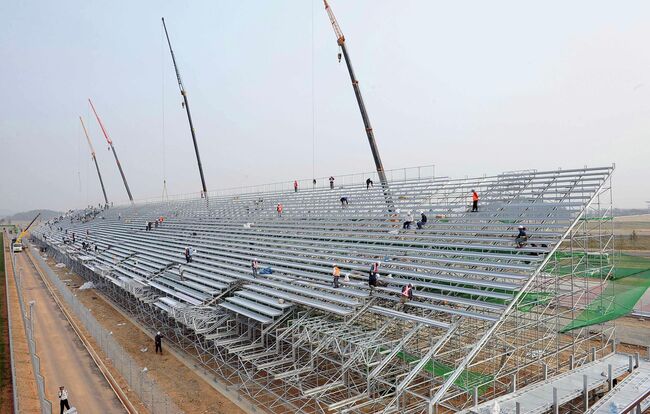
[(487, 317)]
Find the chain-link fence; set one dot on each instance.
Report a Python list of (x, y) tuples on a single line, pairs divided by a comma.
[(156, 401), (28, 323)]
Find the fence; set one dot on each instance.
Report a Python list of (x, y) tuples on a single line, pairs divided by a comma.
[(28, 323), (156, 401)]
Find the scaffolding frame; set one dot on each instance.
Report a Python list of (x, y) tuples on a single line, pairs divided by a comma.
[(312, 361)]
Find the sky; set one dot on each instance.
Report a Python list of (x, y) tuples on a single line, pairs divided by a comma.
[(473, 87)]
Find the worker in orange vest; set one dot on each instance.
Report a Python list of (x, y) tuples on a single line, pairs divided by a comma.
[(474, 201), (336, 273)]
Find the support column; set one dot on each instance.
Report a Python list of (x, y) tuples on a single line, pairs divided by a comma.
[(585, 392), (610, 377), (556, 403), (630, 364), (475, 396)]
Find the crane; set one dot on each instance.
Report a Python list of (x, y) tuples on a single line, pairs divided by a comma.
[(92, 152), (110, 142), (340, 39), (17, 244), (186, 105)]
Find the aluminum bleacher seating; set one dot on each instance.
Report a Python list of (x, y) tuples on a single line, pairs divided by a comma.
[(465, 266)]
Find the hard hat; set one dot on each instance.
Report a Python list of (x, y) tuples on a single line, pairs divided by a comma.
[(521, 227), (333, 264)]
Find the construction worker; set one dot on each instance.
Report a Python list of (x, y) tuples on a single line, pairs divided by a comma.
[(408, 221), (279, 209), (188, 254), (336, 274), (521, 238), (331, 183), (255, 267), (63, 399), (344, 201), (474, 201), (369, 183), (158, 341), (407, 294), (295, 186), (423, 220), (181, 272), (372, 275)]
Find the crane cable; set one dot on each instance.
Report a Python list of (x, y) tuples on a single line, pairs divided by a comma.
[(162, 93), (313, 101)]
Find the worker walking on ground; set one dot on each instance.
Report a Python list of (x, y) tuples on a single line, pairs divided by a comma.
[(369, 183), (331, 183), (255, 267), (408, 221), (407, 294), (474, 201), (158, 341), (423, 220), (521, 238), (63, 399), (336, 274)]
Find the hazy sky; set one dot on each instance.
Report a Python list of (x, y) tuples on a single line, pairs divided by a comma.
[(473, 87)]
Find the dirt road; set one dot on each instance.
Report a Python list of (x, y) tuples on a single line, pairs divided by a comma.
[(64, 360)]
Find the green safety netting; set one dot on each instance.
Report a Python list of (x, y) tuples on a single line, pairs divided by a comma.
[(598, 265), (466, 381), (631, 279)]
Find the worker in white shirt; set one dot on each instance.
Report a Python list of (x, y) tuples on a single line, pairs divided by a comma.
[(63, 399)]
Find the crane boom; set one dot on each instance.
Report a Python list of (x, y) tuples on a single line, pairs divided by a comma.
[(186, 104), (16, 244), (340, 38), (110, 142), (92, 152)]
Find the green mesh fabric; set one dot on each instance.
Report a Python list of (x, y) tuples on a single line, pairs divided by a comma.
[(630, 280), (467, 380)]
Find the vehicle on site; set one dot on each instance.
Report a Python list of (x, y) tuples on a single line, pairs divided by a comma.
[(17, 244)]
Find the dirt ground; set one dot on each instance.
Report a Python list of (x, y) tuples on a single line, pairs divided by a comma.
[(187, 389), (63, 358), (632, 232)]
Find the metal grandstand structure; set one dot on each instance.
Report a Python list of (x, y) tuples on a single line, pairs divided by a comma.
[(487, 316)]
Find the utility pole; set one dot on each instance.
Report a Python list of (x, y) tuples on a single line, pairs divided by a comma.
[(92, 152), (186, 105), (340, 38), (110, 143)]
